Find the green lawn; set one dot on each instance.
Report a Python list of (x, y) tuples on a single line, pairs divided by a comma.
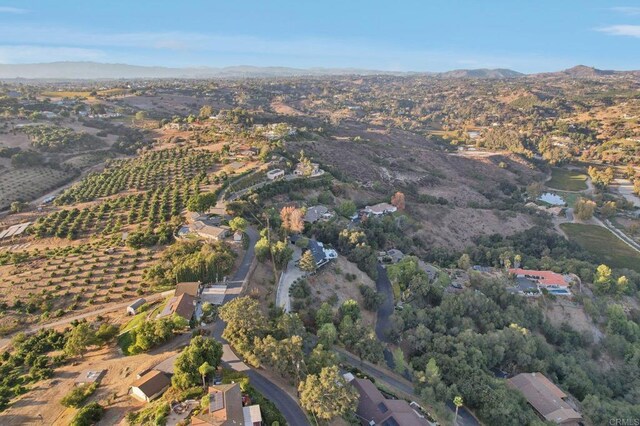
[(569, 197), (603, 244), (567, 180)]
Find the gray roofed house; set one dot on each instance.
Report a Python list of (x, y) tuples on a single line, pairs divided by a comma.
[(315, 213), (132, 309)]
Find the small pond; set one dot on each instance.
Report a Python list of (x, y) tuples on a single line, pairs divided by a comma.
[(553, 199)]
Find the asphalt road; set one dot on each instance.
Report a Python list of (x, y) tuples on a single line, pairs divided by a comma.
[(383, 322), (287, 405)]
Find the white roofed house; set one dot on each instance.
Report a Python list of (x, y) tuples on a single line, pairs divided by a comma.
[(275, 174), (380, 209)]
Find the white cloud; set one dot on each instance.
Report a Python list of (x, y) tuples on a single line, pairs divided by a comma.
[(30, 54), (14, 10), (622, 30), (632, 11)]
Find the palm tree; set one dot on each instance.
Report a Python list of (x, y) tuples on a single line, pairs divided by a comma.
[(205, 369), (458, 402)]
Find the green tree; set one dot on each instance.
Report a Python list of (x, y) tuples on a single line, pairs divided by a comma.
[(622, 285), (346, 208), (282, 254), (458, 402), (187, 368), (262, 249), (327, 334), (80, 338), (238, 224), (88, 415), (205, 112), (307, 262), (327, 395), (19, 207), (205, 369), (584, 209), (324, 314), (464, 262), (141, 115), (244, 322)]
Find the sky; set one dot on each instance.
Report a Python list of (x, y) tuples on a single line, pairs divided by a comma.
[(401, 35)]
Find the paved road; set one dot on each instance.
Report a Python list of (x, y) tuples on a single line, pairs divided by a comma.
[(287, 405), (288, 276), (383, 322)]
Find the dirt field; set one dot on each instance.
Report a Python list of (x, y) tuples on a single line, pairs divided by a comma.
[(561, 311), (331, 281), (45, 398)]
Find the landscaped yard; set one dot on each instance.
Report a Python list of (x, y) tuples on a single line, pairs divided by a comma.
[(567, 180), (601, 242)]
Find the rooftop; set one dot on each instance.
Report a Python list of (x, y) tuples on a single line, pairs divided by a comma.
[(545, 397), (152, 382), (546, 278), (183, 305)]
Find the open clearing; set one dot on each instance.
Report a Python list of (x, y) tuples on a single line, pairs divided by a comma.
[(567, 180), (602, 243)]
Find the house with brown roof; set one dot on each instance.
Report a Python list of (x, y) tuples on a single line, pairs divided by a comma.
[(375, 409), (191, 288), (183, 306), (226, 408), (547, 400), (150, 386)]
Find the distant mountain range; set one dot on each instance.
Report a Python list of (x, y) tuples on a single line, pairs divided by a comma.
[(97, 71)]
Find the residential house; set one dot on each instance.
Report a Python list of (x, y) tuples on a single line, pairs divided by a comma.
[(226, 408), (183, 306), (89, 377), (308, 169), (553, 282), (193, 289), (380, 209), (237, 237), (133, 308), (321, 254), (275, 174), (208, 231), (315, 213), (548, 400), (150, 386), (375, 409)]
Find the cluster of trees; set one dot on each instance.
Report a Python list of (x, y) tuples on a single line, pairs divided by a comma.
[(56, 139), (160, 208), (152, 333), (455, 345), (599, 177), (78, 394), (413, 282), (192, 261), (28, 362), (149, 171), (279, 342), (196, 362)]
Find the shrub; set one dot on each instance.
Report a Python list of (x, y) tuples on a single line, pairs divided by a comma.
[(78, 395)]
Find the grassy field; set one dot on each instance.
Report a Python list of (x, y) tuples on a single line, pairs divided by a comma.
[(567, 180), (83, 94), (601, 242)]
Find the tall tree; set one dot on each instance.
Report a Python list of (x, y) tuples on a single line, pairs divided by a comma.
[(327, 395), (187, 368), (307, 262), (80, 337), (398, 200), (205, 369)]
